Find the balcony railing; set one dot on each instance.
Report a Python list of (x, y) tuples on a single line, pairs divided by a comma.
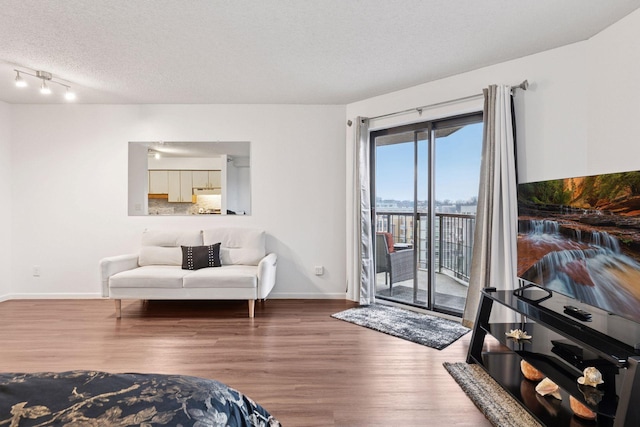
[(453, 238)]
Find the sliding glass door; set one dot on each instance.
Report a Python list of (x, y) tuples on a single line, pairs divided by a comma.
[(424, 194)]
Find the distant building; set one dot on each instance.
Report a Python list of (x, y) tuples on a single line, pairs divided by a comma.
[(451, 209), (469, 209)]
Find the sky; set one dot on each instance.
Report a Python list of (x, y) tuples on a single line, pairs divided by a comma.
[(457, 161)]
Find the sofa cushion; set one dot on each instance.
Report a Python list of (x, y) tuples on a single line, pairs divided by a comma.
[(157, 255), (153, 276), (197, 257), (239, 246), (163, 247), (175, 238), (230, 276)]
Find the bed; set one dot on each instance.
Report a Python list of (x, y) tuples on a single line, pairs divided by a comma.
[(93, 398)]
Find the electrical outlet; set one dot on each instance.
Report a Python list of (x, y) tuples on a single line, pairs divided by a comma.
[(36, 271), (319, 270)]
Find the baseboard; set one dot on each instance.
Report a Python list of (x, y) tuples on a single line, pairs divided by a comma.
[(52, 296), (293, 295), (273, 295)]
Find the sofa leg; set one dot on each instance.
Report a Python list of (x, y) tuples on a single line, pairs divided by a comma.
[(118, 308), (252, 307)]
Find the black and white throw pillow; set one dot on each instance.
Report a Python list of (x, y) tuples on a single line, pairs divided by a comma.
[(197, 257)]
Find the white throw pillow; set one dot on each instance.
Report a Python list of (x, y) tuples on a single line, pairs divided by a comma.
[(239, 246), (161, 247), (168, 238), (158, 255)]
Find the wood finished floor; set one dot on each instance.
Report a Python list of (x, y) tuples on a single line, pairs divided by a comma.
[(303, 366)]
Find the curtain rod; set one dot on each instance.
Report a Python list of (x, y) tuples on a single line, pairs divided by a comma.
[(524, 85)]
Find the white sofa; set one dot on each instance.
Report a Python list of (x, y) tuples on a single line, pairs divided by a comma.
[(156, 272)]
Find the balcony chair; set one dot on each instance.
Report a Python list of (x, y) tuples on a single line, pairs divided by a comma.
[(397, 265)]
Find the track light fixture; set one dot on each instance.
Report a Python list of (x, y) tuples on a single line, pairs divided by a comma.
[(46, 78)]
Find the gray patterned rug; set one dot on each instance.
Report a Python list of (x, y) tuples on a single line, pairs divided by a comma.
[(424, 329), (495, 403)]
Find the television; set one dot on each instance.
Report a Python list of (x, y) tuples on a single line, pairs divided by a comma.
[(580, 237)]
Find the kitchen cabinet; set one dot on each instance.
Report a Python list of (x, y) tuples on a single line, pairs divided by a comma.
[(180, 186), (186, 186), (215, 179), (200, 179), (158, 182), (206, 179)]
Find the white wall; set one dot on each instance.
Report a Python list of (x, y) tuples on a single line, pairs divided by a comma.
[(614, 91), (5, 190), (138, 180), (69, 163), (70, 189), (580, 115)]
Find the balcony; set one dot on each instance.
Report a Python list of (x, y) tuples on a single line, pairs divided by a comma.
[(453, 243)]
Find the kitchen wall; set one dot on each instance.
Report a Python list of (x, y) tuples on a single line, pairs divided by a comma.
[(580, 115), (5, 190), (71, 165)]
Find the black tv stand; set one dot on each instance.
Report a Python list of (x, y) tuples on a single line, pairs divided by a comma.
[(532, 293), (560, 347)]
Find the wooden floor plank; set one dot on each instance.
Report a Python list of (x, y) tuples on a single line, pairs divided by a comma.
[(305, 367)]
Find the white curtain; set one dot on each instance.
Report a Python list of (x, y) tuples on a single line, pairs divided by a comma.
[(493, 262), (363, 243)]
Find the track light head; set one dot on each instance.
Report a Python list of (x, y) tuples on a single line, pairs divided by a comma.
[(44, 89), (20, 82), (69, 95)]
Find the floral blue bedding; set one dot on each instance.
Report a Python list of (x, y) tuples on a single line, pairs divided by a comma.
[(90, 398)]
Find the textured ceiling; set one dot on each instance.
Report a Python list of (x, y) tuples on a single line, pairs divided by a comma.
[(275, 51)]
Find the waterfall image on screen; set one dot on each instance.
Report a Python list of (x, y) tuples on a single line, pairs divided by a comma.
[(581, 237)]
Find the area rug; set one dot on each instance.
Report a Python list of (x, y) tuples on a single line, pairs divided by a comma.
[(495, 403), (424, 329)]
